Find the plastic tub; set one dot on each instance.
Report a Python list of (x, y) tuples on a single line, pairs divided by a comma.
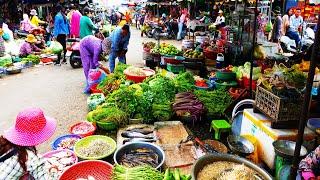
[(58, 140), (108, 126), (87, 129)]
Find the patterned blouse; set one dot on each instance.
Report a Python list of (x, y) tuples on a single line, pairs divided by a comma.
[(309, 167), (11, 169)]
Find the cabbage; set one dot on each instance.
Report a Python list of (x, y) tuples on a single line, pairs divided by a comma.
[(56, 47)]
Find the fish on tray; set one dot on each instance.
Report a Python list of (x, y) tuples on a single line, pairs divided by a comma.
[(141, 156), (130, 134), (140, 130), (138, 140)]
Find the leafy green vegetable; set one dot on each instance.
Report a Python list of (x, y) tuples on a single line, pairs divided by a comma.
[(136, 173), (110, 114), (184, 82), (215, 101)]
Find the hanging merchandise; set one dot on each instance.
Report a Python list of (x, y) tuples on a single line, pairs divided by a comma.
[(268, 27)]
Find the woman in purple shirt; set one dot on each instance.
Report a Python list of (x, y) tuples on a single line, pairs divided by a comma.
[(91, 49), (29, 47)]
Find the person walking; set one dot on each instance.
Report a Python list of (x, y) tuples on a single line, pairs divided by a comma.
[(86, 25), (296, 21), (182, 20), (18, 154), (91, 49), (286, 21), (75, 17), (61, 31), (120, 40), (276, 30)]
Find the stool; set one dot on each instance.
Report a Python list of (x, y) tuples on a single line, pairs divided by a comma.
[(219, 126)]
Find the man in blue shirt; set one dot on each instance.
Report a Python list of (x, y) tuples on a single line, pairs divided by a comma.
[(60, 31), (295, 26), (120, 40)]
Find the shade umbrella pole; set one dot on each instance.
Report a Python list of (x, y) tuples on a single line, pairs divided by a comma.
[(253, 46), (306, 103), (158, 14)]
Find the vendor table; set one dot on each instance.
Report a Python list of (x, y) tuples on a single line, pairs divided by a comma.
[(259, 126)]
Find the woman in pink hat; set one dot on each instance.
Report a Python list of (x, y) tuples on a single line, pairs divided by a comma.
[(18, 155)]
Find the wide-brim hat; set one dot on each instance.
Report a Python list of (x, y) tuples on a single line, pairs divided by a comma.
[(220, 11), (33, 12), (32, 128), (31, 38)]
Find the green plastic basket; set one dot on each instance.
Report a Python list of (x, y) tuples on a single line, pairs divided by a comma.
[(176, 68), (85, 142), (108, 126)]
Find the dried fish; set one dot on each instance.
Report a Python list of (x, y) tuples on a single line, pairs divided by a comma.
[(140, 156)]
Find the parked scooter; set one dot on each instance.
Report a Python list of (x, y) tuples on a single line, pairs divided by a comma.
[(74, 52), (165, 31)]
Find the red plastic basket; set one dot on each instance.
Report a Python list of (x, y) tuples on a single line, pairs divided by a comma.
[(90, 131), (246, 83), (95, 168), (46, 60), (94, 89), (172, 60), (138, 79)]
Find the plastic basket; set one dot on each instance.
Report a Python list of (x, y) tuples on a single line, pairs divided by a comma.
[(278, 109), (85, 142), (57, 141), (93, 89), (172, 60), (176, 68), (95, 168), (108, 126), (91, 128)]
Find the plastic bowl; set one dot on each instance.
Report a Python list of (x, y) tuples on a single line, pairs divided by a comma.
[(210, 86), (135, 145), (57, 141), (139, 79), (225, 76), (95, 168), (85, 142), (91, 128), (51, 153), (108, 126)]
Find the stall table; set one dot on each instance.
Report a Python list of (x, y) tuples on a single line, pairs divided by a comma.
[(259, 126)]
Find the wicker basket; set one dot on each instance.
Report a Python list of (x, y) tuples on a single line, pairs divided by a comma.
[(278, 109)]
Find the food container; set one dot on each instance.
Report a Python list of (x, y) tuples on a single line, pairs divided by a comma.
[(108, 126), (138, 79), (94, 89), (95, 168), (226, 85), (209, 159), (13, 70), (225, 76), (85, 142), (57, 141), (175, 68), (83, 129), (210, 86), (135, 145), (240, 145)]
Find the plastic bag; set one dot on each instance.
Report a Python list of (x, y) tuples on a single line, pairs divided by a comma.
[(56, 47), (95, 76), (268, 27)]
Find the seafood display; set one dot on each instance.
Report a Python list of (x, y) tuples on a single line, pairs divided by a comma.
[(67, 143), (140, 156), (138, 135), (224, 170), (96, 148), (82, 128), (56, 163)]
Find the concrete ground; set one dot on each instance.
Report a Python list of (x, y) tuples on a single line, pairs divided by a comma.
[(55, 89)]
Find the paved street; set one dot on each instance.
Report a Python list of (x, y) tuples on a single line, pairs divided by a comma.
[(56, 90)]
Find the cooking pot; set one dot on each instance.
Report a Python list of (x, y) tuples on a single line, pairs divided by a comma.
[(220, 57)]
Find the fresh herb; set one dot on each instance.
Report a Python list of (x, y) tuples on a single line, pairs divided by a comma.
[(184, 82), (136, 173)]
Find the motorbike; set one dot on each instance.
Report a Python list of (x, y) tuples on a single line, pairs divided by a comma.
[(74, 52), (165, 30), (289, 45)]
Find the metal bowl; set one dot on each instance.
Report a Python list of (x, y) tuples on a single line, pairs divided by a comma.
[(285, 148), (135, 145), (240, 145), (209, 159), (13, 70)]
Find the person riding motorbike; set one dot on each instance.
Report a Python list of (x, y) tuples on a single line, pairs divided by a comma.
[(34, 18)]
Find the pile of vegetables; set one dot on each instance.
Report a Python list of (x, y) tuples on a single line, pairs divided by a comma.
[(5, 61), (147, 46), (175, 174), (136, 173), (35, 59), (184, 82), (216, 102), (108, 113), (244, 71), (166, 49), (283, 81), (193, 54), (94, 100), (187, 105)]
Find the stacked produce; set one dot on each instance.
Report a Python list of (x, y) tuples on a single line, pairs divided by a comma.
[(187, 105), (166, 49), (193, 54), (216, 102), (147, 46), (35, 59), (283, 81), (244, 71), (184, 82)]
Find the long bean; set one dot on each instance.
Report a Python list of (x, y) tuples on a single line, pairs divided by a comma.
[(136, 173)]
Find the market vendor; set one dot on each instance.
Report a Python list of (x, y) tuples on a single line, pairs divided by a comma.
[(18, 155), (309, 167), (296, 21), (26, 25), (34, 18), (120, 40), (2, 47), (220, 21), (29, 47), (91, 49)]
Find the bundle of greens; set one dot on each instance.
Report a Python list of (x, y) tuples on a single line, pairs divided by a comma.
[(215, 101), (110, 114), (162, 112), (110, 84), (162, 88), (136, 173), (174, 174), (184, 82)]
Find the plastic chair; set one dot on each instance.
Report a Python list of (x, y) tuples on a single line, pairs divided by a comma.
[(219, 126)]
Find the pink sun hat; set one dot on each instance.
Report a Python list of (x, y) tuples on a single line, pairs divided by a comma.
[(32, 128)]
